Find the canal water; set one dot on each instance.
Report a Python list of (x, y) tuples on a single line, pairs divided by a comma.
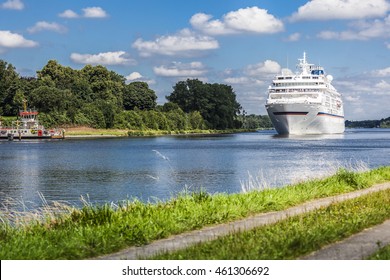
[(33, 173)]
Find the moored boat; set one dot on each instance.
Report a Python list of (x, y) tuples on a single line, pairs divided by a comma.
[(27, 126)]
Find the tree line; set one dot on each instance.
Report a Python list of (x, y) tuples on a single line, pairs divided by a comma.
[(97, 97), (382, 123)]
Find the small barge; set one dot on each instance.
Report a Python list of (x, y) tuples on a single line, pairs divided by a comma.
[(27, 127)]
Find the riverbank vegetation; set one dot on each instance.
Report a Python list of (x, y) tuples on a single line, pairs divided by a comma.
[(83, 132), (383, 123), (302, 234), (99, 98), (78, 233)]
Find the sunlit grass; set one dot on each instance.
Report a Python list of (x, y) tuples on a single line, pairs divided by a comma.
[(87, 131), (295, 236), (381, 254), (90, 132), (262, 180)]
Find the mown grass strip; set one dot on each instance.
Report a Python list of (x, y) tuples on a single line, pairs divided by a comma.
[(101, 229), (295, 236), (381, 254), (87, 131)]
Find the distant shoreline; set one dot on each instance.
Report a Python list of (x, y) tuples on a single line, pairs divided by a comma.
[(90, 133), (87, 132)]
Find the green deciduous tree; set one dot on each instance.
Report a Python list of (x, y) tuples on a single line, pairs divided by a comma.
[(96, 97), (48, 99), (9, 84), (215, 102), (139, 95), (106, 85)]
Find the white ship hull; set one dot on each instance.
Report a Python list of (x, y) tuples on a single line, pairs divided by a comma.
[(305, 102), (13, 134), (302, 119)]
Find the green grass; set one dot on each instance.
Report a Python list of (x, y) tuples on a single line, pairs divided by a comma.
[(381, 254), (87, 131), (94, 230), (296, 236), (151, 132)]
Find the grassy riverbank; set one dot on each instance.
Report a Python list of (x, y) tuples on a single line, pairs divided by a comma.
[(70, 233), (296, 236), (84, 132), (89, 132)]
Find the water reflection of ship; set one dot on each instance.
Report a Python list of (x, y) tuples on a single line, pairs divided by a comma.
[(304, 137), (27, 126)]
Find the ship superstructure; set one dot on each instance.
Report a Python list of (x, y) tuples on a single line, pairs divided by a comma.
[(305, 102)]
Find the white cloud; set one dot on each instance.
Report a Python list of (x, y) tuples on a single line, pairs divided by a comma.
[(360, 30), (293, 37), (247, 20), (366, 96), (263, 68), (202, 22), (107, 58), (354, 85), (89, 12), (237, 80), (14, 40), (344, 35), (352, 98), (13, 5), (136, 76), (244, 81), (185, 43), (341, 9), (383, 85), (49, 26), (68, 14), (385, 72), (178, 69), (94, 12)]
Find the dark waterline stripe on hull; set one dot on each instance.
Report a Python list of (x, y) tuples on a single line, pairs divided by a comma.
[(329, 115), (290, 113)]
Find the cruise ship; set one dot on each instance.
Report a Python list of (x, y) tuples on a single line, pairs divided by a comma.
[(305, 102)]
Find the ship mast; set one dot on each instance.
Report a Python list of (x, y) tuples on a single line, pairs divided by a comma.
[(303, 65)]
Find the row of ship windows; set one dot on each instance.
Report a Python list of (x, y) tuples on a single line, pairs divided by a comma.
[(304, 77), (282, 92), (13, 131), (288, 96), (335, 104), (295, 90), (296, 84)]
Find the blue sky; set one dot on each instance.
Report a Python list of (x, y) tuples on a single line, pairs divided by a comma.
[(243, 43)]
